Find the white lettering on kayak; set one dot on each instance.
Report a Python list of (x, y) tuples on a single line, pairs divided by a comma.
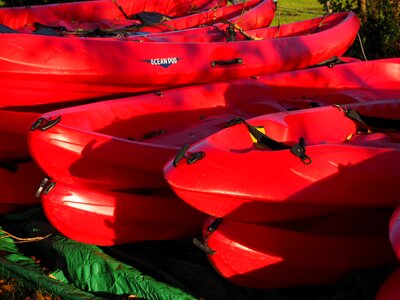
[(163, 62)]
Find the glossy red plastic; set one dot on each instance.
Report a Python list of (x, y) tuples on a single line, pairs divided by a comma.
[(312, 252), (109, 218), (104, 14), (124, 143), (19, 180), (342, 168), (57, 69)]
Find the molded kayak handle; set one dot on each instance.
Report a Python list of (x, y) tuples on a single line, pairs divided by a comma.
[(180, 154), (44, 124), (235, 61)]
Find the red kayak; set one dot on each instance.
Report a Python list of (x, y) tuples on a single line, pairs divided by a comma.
[(19, 181), (352, 82), (294, 164), (390, 290), (394, 231), (124, 143), (253, 14), (109, 218), (13, 128), (315, 252), (74, 69), (147, 15)]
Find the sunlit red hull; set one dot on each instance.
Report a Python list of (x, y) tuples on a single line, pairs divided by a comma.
[(320, 252), (75, 69), (124, 143), (342, 168), (19, 180), (110, 218)]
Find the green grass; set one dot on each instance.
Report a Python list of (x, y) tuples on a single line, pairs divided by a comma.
[(289, 11)]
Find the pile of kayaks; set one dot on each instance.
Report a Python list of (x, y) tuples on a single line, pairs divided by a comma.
[(145, 120)]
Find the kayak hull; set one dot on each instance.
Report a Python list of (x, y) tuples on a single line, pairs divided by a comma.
[(341, 169), (79, 66), (109, 218), (320, 253), (124, 143)]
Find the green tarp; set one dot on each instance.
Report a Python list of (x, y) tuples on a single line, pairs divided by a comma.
[(149, 270), (77, 267)]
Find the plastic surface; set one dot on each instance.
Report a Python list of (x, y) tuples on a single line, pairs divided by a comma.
[(18, 185), (101, 14), (244, 180), (124, 143), (79, 69), (109, 218), (311, 252)]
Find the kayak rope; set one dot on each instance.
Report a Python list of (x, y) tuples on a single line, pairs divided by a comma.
[(320, 24), (298, 150), (240, 30), (23, 240), (361, 46), (121, 9), (242, 12)]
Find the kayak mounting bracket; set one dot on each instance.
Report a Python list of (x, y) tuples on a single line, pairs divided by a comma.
[(190, 159), (43, 124)]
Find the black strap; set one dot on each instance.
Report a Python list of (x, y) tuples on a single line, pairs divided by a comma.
[(376, 122), (150, 18), (330, 62), (260, 137), (6, 29), (298, 149)]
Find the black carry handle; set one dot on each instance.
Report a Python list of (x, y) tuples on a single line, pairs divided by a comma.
[(228, 62), (43, 124), (180, 154)]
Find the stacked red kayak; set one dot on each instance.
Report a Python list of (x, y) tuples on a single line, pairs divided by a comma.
[(269, 176), (113, 15), (149, 66), (288, 162), (116, 149), (80, 21), (328, 156), (319, 251), (124, 143)]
